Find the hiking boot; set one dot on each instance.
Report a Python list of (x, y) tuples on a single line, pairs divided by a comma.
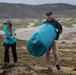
[(58, 67)]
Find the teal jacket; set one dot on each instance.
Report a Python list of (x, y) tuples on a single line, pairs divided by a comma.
[(8, 34)]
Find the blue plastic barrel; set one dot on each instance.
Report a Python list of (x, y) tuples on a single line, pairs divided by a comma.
[(41, 40)]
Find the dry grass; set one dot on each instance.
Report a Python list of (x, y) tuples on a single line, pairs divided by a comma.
[(67, 58)]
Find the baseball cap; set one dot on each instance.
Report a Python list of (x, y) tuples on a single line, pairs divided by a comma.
[(49, 13)]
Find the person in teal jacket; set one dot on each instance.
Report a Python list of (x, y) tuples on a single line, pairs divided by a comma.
[(9, 41)]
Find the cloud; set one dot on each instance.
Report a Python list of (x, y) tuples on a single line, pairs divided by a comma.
[(34, 2)]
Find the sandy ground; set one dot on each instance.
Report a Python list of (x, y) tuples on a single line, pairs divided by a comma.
[(68, 35), (24, 34)]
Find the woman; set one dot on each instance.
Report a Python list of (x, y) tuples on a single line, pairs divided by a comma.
[(10, 41)]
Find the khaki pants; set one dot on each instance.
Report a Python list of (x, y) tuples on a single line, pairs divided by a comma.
[(54, 47)]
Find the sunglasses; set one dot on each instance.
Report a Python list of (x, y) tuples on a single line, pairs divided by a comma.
[(48, 14)]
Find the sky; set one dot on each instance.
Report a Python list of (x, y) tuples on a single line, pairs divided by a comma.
[(37, 2)]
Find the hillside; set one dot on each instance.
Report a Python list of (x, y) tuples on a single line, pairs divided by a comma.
[(35, 11)]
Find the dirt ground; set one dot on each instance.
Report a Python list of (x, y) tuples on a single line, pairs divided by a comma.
[(29, 65)]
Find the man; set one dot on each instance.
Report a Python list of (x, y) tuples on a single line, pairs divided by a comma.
[(54, 46)]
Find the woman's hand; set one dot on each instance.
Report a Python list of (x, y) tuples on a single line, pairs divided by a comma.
[(10, 37)]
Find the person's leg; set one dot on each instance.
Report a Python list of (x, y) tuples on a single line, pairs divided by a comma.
[(13, 47), (55, 53), (48, 59), (6, 53)]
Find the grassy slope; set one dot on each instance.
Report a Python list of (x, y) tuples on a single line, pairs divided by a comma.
[(22, 23)]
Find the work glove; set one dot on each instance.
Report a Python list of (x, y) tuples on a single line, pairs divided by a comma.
[(57, 30)]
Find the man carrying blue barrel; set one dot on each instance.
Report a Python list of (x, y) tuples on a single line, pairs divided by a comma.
[(54, 45)]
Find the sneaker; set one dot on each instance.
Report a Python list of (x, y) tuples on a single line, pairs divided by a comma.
[(58, 67), (50, 69), (15, 62)]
